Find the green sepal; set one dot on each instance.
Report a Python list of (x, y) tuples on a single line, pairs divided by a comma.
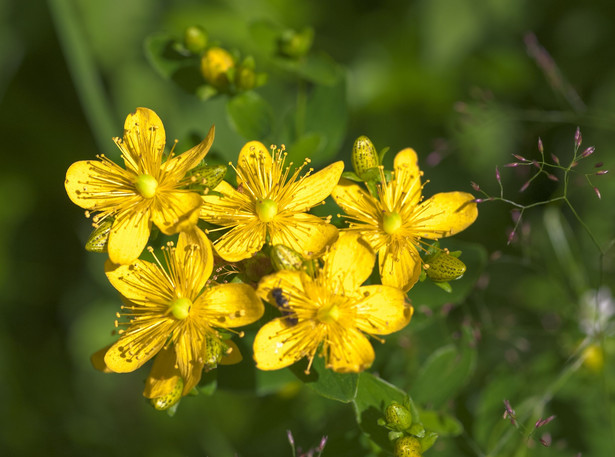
[(351, 175), (382, 153), (445, 286), (428, 440)]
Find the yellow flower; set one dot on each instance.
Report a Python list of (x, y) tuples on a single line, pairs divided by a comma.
[(173, 310), (270, 206), (332, 309), (146, 191), (394, 224)]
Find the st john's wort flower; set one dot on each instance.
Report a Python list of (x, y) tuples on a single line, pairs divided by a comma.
[(147, 190)]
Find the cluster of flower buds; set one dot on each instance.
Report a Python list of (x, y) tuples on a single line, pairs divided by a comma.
[(410, 437), (295, 44), (222, 70)]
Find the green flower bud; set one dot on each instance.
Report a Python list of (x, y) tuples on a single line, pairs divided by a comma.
[(207, 177), (195, 39), (295, 44), (245, 78), (214, 351), (398, 417), (408, 446), (364, 156), (285, 258), (97, 242), (443, 267), (215, 64), (172, 398)]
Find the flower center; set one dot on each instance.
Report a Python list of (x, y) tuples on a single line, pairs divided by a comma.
[(180, 308), (328, 314), (391, 222), (146, 185), (266, 209)]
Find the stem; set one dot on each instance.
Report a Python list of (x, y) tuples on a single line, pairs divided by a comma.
[(83, 71)]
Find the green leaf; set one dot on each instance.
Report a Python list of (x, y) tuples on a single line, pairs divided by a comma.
[(441, 423), (373, 396), (445, 373), (184, 70), (335, 386), (429, 294), (306, 146), (250, 115)]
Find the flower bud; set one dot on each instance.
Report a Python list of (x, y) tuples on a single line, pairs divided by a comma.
[(245, 78), (364, 156), (593, 358), (398, 417), (285, 258), (97, 241), (172, 398), (215, 349), (295, 44), (444, 267), (207, 177), (215, 64), (407, 446), (195, 39)]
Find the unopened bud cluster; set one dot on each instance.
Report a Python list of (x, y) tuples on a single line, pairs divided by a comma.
[(410, 437)]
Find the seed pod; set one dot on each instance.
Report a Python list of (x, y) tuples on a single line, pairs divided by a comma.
[(195, 39), (364, 156), (285, 258), (215, 64), (166, 401), (97, 241), (207, 177), (407, 446), (398, 417), (444, 267)]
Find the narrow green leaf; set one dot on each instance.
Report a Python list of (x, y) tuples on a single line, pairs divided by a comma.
[(329, 384), (250, 115)]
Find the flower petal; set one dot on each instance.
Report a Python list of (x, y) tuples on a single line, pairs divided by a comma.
[(229, 209), (312, 190), (383, 310), (253, 156), (399, 269), (232, 355), (349, 351), (143, 143), (307, 234), (444, 214), (231, 305), (242, 241), (133, 350), (407, 184), (350, 261), (188, 349), (141, 282), (176, 211), (355, 201), (289, 281), (99, 185), (128, 235), (279, 344), (178, 166), (163, 376), (196, 263)]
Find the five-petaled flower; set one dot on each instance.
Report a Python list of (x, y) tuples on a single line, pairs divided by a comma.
[(174, 312), (147, 190), (270, 205), (331, 309), (394, 223)]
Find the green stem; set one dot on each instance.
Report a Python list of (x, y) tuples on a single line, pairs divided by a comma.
[(84, 72)]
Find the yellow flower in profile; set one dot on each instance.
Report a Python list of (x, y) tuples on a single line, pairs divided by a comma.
[(145, 191), (269, 206), (332, 310), (173, 309), (394, 223)]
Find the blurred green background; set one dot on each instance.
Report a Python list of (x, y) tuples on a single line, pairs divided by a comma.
[(453, 79)]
